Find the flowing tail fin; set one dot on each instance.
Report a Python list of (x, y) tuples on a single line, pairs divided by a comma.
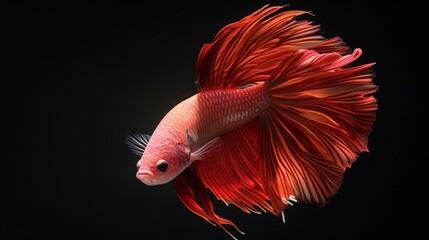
[(320, 116)]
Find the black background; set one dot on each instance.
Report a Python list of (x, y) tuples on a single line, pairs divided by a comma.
[(76, 79)]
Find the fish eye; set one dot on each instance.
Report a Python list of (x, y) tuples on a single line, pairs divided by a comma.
[(162, 165)]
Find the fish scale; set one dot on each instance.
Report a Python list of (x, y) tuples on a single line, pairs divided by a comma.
[(220, 111)]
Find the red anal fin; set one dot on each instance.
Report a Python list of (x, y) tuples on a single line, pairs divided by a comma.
[(188, 186), (233, 176), (249, 50)]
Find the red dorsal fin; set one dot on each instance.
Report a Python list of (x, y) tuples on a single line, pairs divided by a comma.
[(248, 50)]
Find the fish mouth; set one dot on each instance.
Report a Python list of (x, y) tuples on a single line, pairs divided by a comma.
[(146, 176), (145, 172)]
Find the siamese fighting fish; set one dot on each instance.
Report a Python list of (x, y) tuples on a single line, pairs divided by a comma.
[(281, 112)]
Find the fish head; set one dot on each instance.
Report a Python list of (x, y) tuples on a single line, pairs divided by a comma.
[(162, 161)]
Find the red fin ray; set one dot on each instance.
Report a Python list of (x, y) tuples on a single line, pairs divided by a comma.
[(186, 186), (288, 170), (234, 176), (320, 118), (250, 49)]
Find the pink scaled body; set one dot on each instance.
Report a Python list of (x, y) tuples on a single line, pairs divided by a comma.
[(194, 122)]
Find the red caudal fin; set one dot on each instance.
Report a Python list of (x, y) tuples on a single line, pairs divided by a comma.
[(188, 186), (247, 51), (320, 117)]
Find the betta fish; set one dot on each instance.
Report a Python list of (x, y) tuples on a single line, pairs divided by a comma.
[(280, 114)]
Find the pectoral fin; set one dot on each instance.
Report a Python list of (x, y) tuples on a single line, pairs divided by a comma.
[(209, 151)]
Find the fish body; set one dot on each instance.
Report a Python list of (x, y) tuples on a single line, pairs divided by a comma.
[(196, 121), (280, 115)]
